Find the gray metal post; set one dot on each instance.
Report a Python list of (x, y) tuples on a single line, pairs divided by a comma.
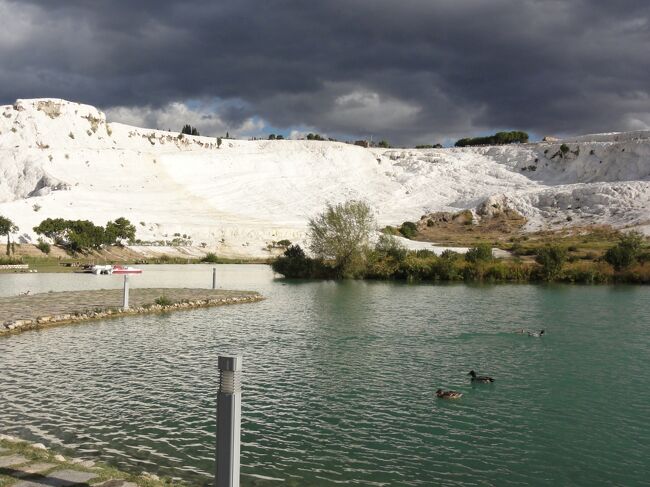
[(228, 421), (125, 300), (214, 278)]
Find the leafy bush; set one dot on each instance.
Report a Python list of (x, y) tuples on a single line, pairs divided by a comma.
[(626, 251), (415, 268), (450, 255), (391, 247), (388, 230), (295, 263), (551, 259), (564, 148), (163, 301), (480, 253), (210, 258), (408, 229), (587, 273), (449, 267), (43, 246)]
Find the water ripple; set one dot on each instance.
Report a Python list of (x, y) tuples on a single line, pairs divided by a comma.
[(339, 381)]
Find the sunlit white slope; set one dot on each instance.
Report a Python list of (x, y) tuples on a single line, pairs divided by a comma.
[(62, 159)]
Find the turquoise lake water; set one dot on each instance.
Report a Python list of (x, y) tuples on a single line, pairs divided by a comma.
[(339, 382)]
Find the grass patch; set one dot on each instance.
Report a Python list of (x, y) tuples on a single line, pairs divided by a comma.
[(104, 472), (163, 301)]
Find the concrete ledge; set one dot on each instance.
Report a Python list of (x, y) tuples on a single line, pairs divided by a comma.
[(21, 313)]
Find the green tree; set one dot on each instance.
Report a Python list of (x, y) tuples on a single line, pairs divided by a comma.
[(341, 234), (74, 235), (189, 130), (84, 235), (626, 252), (272, 137), (53, 228), (513, 137), (119, 231), (384, 144), (7, 227), (551, 259)]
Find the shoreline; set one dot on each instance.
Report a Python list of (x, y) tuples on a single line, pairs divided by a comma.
[(53, 309), (23, 462)]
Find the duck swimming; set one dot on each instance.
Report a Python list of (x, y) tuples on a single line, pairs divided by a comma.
[(480, 378), (536, 334), (448, 394)]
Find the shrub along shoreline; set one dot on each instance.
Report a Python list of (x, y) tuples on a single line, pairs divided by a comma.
[(390, 261), (339, 240)]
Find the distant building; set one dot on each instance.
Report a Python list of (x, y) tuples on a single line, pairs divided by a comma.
[(362, 143)]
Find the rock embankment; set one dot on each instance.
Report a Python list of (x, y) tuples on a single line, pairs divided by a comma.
[(21, 313)]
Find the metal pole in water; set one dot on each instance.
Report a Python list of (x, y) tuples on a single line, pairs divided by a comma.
[(228, 421), (214, 278), (125, 300)]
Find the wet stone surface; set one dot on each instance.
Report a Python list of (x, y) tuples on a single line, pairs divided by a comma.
[(60, 478), (23, 464), (11, 460)]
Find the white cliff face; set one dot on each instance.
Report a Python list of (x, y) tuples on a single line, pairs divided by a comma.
[(62, 159)]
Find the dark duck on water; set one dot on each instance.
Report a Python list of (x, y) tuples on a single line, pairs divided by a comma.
[(448, 394), (480, 378)]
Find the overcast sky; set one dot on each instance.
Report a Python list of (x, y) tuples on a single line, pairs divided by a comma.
[(410, 71)]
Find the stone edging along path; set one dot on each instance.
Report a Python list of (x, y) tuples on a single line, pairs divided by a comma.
[(21, 313), (23, 464)]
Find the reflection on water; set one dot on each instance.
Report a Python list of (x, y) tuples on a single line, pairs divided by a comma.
[(339, 382)]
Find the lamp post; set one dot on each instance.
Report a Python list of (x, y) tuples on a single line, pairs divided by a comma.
[(125, 296), (228, 421)]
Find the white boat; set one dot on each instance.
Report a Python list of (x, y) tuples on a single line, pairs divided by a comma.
[(110, 269), (118, 269), (102, 269)]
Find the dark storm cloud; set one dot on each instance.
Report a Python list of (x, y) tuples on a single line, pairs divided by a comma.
[(413, 70)]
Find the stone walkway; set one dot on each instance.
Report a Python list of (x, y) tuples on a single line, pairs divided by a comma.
[(27, 312), (26, 465)]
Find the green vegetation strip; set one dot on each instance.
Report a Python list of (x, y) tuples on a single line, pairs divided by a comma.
[(20, 313), (340, 241), (22, 463)]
